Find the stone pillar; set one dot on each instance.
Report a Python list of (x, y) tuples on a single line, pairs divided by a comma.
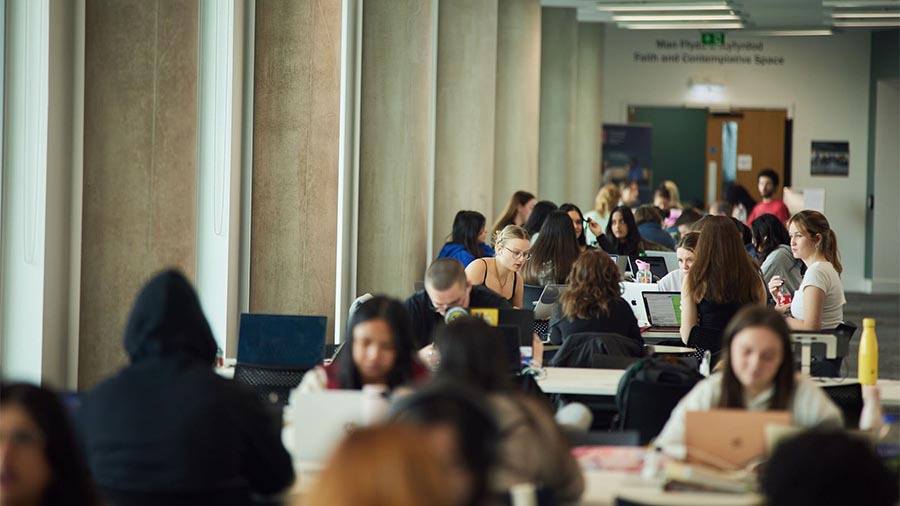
[(140, 163), (295, 151), (559, 45), (518, 100), (464, 130), (584, 178), (395, 124)]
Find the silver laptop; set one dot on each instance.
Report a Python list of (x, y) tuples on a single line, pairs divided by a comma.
[(318, 421), (670, 257), (631, 292), (663, 310)]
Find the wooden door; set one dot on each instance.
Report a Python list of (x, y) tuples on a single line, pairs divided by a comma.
[(760, 134)]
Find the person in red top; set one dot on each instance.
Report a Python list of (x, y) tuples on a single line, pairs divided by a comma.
[(767, 183)]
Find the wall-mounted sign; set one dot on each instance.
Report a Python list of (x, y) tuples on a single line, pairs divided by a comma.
[(712, 38)]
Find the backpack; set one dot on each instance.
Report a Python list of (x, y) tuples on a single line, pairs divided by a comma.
[(656, 369)]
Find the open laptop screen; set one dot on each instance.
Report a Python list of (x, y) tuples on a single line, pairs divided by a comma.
[(657, 266), (663, 308), (286, 340)]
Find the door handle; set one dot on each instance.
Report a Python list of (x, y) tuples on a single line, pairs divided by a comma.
[(870, 202)]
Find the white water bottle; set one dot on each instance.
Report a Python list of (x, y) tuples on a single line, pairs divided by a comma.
[(643, 274)]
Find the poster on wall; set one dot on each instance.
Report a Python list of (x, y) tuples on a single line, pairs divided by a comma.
[(829, 158), (627, 156)]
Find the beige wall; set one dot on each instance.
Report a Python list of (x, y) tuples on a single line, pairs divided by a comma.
[(464, 131), (395, 144), (140, 174), (585, 176), (295, 153)]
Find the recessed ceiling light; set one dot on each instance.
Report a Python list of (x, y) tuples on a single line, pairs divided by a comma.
[(660, 7), (681, 26), (677, 17), (865, 15), (873, 23), (861, 3)]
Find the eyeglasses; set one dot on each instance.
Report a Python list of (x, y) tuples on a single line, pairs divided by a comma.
[(518, 255)]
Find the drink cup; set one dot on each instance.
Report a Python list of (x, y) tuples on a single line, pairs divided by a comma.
[(784, 299)]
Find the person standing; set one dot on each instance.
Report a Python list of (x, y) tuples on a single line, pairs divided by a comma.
[(767, 183)]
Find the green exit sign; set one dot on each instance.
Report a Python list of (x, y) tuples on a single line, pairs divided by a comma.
[(712, 38)]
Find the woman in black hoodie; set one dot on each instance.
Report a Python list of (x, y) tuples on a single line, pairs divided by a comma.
[(166, 429)]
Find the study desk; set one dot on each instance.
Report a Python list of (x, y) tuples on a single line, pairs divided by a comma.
[(570, 380)]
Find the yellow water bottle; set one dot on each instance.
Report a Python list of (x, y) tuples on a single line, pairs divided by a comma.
[(868, 354)]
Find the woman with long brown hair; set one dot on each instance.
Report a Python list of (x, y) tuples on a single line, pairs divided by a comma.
[(757, 375), (593, 302), (553, 252), (517, 211), (722, 280)]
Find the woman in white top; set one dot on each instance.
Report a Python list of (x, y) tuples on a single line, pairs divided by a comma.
[(757, 374), (819, 302), (607, 198), (673, 281)]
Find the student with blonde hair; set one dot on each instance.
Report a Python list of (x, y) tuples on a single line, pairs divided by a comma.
[(605, 201), (501, 273), (391, 465)]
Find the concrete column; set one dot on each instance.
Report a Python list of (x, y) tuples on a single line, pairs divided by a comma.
[(140, 163), (293, 239), (395, 145), (559, 47), (518, 100), (464, 131), (584, 179)]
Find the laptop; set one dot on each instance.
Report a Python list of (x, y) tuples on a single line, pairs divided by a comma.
[(281, 340), (663, 310), (669, 256), (631, 292), (657, 266), (621, 262), (729, 438), (319, 421)]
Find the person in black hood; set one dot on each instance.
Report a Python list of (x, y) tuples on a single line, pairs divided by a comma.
[(167, 430)]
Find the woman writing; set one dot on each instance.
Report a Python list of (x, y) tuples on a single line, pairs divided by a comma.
[(758, 375), (467, 239), (501, 273), (380, 341), (721, 281), (819, 302), (592, 302), (553, 253)]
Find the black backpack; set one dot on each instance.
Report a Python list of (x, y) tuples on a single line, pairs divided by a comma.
[(664, 369)]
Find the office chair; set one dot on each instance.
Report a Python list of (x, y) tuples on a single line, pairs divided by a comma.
[(849, 399), (273, 384)]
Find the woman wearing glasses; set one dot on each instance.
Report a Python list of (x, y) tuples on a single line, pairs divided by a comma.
[(501, 273)]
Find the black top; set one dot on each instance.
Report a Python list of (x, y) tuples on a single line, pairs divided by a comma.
[(515, 281), (425, 318), (620, 320), (712, 318), (167, 429)]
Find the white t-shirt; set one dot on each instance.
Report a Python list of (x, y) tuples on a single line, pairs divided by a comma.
[(823, 276), (672, 282), (809, 407)]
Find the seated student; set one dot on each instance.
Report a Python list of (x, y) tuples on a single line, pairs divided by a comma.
[(757, 374), (666, 199), (741, 201), (773, 247), (517, 211), (553, 253), (674, 281), (167, 429), (390, 465), (532, 448), (649, 223), (828, 468), (607, 198), (721, 281), (630, 195), (382, 351), (578, 222), (746, 238), (592, 302), (41, 461), (446, 287), (467, 240), (721, 208), (624, 237), (686, 221), (501, 273), (537, 217), (819, 302)]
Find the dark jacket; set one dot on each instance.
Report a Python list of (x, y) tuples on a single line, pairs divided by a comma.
[(652, 231), (166, 429), (425, 319), (620, 320)]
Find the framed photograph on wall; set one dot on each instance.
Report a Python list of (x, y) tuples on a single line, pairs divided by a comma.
[(829, 158)]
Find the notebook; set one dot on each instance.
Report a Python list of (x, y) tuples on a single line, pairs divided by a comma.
[(320, 420), (729, 438), (283, 340), (663, 310), (631, 292)]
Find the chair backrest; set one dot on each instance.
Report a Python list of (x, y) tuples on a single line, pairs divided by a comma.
[(604, 438), (530, 295), (580, 350), (849, 399), (648, 406), (273, 384)]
